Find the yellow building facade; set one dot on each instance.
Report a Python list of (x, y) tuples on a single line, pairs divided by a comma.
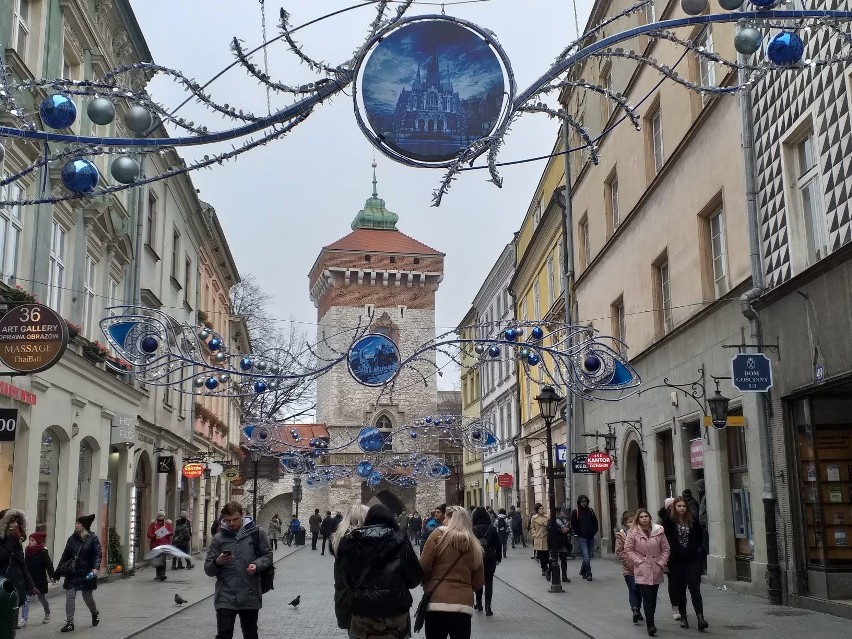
[(472, 484)]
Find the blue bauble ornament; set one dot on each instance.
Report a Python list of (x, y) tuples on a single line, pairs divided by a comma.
[(214, 344), (785, 48), (371, 439), (375, 478), (211, 383), (149, 344), (414, 434), (533, 359), (477, 434), (537, 332), (509, 335), (364, 469), (428, 419), (259, 387), (494, 351), (58, 111), (592, 363), (101, 111), (245, 364), (79, 176)]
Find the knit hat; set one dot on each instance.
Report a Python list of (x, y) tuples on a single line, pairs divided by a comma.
[(687, 492), (668, 502), (86, 521), (39, 536)]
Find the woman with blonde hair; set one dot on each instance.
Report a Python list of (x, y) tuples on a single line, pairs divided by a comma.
[(453, 569), (353, 519)]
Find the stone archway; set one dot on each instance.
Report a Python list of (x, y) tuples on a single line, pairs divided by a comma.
[(396, 498), (390, 500), (635, 492), (282, 505)]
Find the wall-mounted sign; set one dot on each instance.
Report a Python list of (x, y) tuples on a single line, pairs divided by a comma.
[(561, 453), (8, 424), (751, 372), (124, 430), (696, 453), (193, 470), (430, 87), (598, 462), (505, 480), (231, 473), (32, 338), (165, 464), (579, 467), (17, 393), (733, 420)]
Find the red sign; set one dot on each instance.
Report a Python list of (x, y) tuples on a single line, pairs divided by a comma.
[(598, 462), (505, 480), (193, 470), (696, 453), (16, 393)]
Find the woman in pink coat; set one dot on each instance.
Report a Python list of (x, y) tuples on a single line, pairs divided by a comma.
[(647, 549)]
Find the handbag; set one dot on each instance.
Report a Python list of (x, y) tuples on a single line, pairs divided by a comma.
[(267, 577), (420, 613), (66, 568)]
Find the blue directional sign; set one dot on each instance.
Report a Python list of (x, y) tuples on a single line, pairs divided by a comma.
[(751, 372), (560, 453)]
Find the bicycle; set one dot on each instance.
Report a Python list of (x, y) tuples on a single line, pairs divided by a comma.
[(289, 536)]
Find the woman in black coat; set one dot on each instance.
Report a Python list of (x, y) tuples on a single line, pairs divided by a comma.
[(40, 567), (492, 554), (686, 540), (375, 568), (85, 547), (13, 566)]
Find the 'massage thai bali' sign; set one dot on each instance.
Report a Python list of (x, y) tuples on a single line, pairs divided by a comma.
[(32, 338)]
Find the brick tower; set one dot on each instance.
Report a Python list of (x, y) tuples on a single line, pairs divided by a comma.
[(376, 276)]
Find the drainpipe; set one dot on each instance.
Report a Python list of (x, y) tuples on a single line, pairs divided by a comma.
[(767, 466), (570, 407)]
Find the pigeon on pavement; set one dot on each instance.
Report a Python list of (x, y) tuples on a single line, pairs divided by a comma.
[(179, 600), (295, 602)]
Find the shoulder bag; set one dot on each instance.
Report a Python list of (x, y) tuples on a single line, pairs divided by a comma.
[(420, 614), (67, 567), (267, 577)]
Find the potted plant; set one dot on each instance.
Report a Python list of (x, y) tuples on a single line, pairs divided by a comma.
[(18, 294), (73, 330), (115, 557), (95, 352)]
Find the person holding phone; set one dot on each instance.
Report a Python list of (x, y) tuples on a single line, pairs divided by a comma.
[(238, 553)]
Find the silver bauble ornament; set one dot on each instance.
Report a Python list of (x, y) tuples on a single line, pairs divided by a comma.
[(224, 378), (138, 119), (693, 7), (275, 369), (261, 366), (204, 334), (731, 5), (219, 357), (198, 382), (101, 111), (479, 348), (748, 40), (124, 169)]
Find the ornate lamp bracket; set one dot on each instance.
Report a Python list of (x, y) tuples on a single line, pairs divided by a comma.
[(694, 390)]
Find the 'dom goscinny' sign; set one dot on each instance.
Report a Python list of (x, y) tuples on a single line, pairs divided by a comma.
[(32, 338)]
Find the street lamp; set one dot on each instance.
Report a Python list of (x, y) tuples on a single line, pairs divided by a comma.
[(548, 401), (297, 493), (256, 456), (718, 407)]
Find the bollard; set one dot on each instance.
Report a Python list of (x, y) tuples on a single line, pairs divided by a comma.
[(8, 609)]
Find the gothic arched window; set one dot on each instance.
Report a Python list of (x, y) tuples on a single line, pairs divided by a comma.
[(385, 425)]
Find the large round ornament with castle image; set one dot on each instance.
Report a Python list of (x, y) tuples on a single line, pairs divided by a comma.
[(429, 87), (374, 360)]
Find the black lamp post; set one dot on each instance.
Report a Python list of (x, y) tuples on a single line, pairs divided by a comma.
[(548, 400), (297, 493), (256, 456)]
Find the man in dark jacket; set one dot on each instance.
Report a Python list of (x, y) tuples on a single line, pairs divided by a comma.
[(584, 523), (327, 527), (182, 540), (238, 553), (492, 554), (692, 504), (314, 523), (517, 524)]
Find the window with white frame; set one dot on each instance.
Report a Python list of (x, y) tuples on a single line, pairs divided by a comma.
[(537, 213), (656, 122), (706, 67), (585, 245), (187, 274), (524, 316), (551, 281), (89, 288), (151, 220), (717, 251), (606, 83), (560, 253), (21, 26), (664, 296), (56, 274), (612, 200), (809, 196), (113, 293), (619, 329), (536, 301), (175, 253), (11, 227)]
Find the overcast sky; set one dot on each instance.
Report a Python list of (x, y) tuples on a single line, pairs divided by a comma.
[(280, 204)]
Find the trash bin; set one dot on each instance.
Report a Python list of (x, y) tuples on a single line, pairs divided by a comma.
[(300, 538), (8, 609)]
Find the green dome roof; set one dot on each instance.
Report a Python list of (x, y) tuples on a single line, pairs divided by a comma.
[(374, 215)]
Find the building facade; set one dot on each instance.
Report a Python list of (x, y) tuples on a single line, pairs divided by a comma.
[(470, 393), (498, 383)]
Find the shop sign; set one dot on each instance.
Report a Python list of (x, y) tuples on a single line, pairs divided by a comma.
[(8, 424), (579, 467), (505, 480), (124, 430), (696, 453), (236, 492), (231, 473), (559, 472), (751, 372), (165, 465), (193, 470), (598, 462), (561, 453), (18, 394), (32, 338)]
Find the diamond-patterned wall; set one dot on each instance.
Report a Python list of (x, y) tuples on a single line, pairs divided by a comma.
[(779, 101)]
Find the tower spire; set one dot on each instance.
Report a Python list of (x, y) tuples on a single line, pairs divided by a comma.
[(375, 192), (375, 215)]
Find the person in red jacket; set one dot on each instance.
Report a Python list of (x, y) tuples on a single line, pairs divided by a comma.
[(160, 533)]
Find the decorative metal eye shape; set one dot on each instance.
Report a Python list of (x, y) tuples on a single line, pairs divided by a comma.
[(476, 434), (602, 368), (149, 344), (592, 363), (292, 463)]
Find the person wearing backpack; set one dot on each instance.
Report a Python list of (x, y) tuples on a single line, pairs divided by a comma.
[(492, 554), (502, 526), (584, 523), (239, 553), (182, 540)]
